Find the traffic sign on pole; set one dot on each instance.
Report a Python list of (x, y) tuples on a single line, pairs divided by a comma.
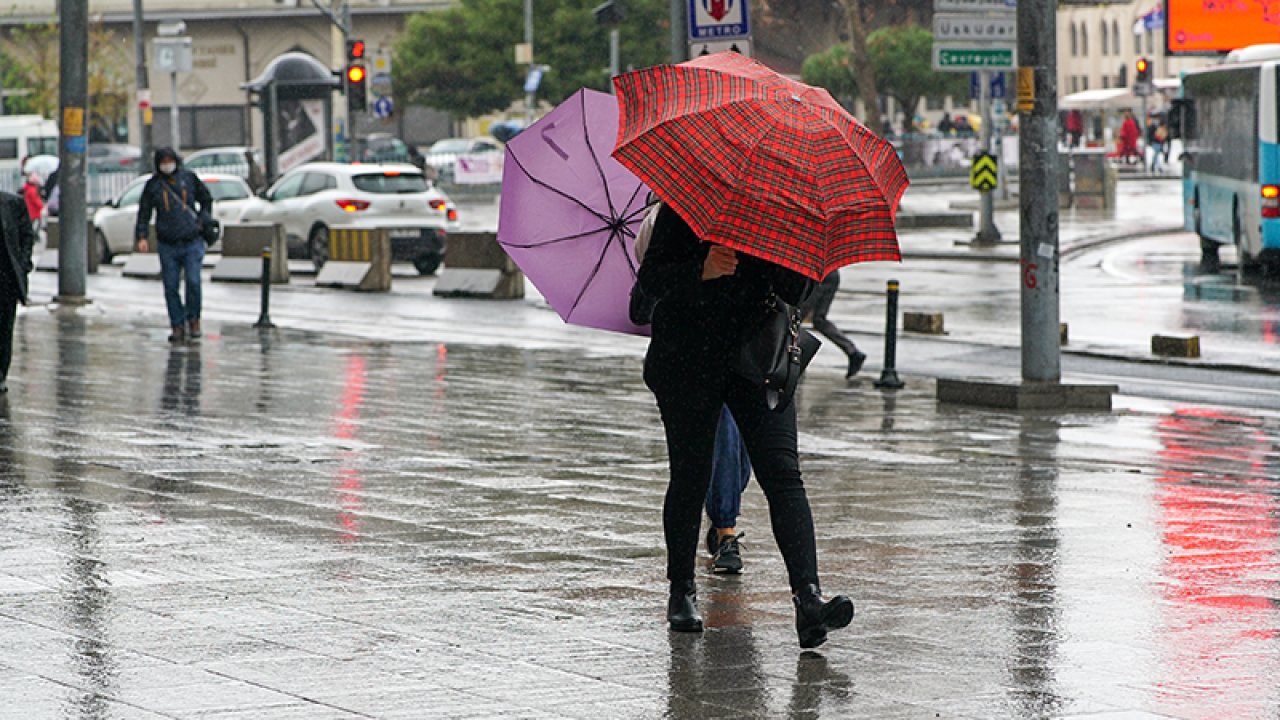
[(984, 172), (965, 58), (968, 27), (718, 19), (710, 47)]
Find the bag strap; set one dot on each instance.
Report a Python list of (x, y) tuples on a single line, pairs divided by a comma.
[(178, 197)]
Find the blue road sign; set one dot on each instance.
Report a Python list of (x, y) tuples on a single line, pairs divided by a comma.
[(712, 19), (533, 80), (382, 107), (997, 86)]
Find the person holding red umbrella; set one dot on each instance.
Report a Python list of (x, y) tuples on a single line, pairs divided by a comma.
[(768, 186), (709, 299)]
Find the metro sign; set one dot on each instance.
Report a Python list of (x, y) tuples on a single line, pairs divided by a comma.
[(710, 19)]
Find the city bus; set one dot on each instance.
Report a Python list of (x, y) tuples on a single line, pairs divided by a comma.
[(1228, 120)]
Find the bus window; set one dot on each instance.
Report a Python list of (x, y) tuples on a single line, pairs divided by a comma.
[(1182, 119), (42, 146)]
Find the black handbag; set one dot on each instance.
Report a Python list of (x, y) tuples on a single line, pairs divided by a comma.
[(776, 353), (210, 230)]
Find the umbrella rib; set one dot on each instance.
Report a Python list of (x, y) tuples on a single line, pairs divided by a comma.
[(591, 150), (552, 241), (596, 270), (557, 191)]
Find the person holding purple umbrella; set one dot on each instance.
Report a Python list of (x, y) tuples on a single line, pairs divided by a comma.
[(709, 298)]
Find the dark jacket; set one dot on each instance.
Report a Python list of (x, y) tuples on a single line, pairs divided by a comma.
[(15, 225), (170, 196), (697, 323)]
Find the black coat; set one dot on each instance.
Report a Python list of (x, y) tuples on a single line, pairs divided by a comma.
[(19, 238), (697, 324), (182, 204)]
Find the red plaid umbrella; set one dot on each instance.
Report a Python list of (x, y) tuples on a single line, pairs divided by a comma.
[(760, 163)]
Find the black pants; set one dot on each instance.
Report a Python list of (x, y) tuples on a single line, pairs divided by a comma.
[(823, 295), (8, 311), (691, 415)]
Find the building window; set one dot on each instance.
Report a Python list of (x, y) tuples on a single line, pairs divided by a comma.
[(1084, 82), (1075, 41), (1084, 39), (206, 126), (1150, 35), (1115, 37), (1106, 36), (1137, 44), (933, 103)]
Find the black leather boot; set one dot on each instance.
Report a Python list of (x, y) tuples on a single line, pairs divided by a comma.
[(682, 607), (814, 617)]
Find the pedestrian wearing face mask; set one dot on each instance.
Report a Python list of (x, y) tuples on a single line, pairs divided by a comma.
[(182, 205)]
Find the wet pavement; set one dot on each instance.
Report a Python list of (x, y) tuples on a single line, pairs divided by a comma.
[(307, 525), (411, 507)]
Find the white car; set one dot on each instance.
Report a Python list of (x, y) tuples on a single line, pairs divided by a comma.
[(314, 197), (114, 222)]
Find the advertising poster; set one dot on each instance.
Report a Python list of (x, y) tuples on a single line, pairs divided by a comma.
[(1219, 26), (301, 132)]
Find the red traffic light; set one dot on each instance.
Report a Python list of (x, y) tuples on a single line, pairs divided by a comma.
[(355, 74), (355, 49)]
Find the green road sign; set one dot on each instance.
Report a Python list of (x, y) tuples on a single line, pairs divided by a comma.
[(983, 172), (972, 58)]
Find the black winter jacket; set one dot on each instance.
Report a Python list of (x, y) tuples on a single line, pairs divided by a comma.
[(697, 323), (169, 196)]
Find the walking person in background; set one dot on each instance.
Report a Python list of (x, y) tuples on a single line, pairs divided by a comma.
[(1129, 135), (19, 238), (708, 299), (1075, 128), (32, 190), (182, 204), (820, 304)]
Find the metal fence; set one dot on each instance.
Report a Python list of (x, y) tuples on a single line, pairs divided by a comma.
[(100, 186)]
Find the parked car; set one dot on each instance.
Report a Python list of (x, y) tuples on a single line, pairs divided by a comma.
[(114, 222), (229, 159), (443, 154), (114, 157), (314, 197), (383, 148)]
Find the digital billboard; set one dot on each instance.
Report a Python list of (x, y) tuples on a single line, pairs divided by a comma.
[(1217, 26)]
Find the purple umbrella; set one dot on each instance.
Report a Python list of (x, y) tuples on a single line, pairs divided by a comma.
[(570, 212)]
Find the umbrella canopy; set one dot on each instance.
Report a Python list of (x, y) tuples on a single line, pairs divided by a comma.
[(569, 212), (761, 163)]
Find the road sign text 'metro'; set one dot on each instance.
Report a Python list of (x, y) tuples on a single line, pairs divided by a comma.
[(709, 19)]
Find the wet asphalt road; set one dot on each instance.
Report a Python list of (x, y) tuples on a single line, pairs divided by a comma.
[(452, 510)]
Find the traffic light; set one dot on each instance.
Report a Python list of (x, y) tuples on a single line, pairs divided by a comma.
[(357, 100), (355, 50), (1143, 67)]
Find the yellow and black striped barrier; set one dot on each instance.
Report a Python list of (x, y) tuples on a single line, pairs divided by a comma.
[(359, 258)]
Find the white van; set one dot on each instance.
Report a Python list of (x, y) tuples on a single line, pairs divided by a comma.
[(25, 135)]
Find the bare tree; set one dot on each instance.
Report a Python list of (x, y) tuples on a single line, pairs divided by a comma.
[(863, 71)]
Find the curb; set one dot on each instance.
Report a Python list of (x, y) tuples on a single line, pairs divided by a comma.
[(1076, 247)]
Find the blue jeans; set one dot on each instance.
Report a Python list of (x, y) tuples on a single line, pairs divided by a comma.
[(730, 473), (175, 261)]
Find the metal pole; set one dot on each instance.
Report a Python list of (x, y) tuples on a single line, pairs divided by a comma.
[(987, 232), (1142, 135), (144, 87), (614, 68), (1038, 230), (679, 31), (264, 315), (175, 137), (889, 379), (528, 40), (353, 133), (73, 46)]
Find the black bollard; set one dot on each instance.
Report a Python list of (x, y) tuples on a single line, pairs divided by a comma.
[(889, 379), (264, 317)]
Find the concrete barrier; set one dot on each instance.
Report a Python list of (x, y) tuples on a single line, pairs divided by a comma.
[(359, 259), (48, 260), (1094, 180), (144, 264), (477, 266), (1176, 346), (927, 323), (241, 259)]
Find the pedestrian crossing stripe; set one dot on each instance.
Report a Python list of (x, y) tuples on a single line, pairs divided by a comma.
[(984, 173)]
